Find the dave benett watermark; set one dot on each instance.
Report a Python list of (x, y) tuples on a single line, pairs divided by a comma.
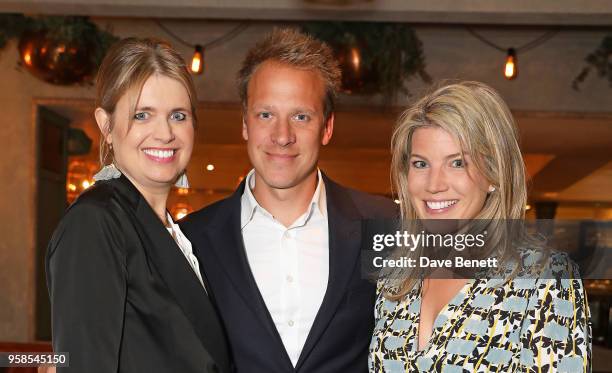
[(411, 241)]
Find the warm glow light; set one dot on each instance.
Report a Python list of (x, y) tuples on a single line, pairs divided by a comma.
[(396, 201), (355, 58), (79, 177), (181, 209), (197, 61), (27, 58), (510, 68), (527, 207), (210, 167), (182, 191), (181, 214)]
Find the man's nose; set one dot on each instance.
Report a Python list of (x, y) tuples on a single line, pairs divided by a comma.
[(283, 134)]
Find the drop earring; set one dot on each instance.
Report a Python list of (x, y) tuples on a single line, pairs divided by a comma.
[(182, 181), (109, 171)]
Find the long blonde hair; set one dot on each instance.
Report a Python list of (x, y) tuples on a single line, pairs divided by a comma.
[(476, 115), (125, 69)]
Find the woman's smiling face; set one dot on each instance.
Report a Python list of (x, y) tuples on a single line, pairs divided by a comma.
[(156, 146), (443, 184)]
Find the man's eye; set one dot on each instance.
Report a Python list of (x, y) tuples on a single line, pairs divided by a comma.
[(458, 163), (178, 116), (141, 115), (419, 164), (301, 117), (265, 115)]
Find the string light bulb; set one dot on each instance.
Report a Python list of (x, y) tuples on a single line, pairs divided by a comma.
[(197, 61), (511, 67)]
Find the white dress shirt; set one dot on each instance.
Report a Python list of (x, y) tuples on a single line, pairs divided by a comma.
[(290, 265), (185, 245)]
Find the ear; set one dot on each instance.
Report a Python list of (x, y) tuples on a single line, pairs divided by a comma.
[(328, 130), (245, 133), (103, 120)]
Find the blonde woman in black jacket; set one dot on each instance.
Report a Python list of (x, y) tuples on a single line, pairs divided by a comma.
[(126, 291)]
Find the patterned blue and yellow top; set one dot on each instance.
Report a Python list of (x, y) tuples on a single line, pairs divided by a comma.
[(520, 325)]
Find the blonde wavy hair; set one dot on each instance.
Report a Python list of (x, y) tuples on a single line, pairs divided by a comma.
[(476, 115)]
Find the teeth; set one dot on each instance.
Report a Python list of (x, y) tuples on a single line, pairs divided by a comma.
[(437, 205), (157, 153)]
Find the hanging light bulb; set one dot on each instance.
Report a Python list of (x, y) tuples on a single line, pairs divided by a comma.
[(355, 58), (197, 61), (511, 67)]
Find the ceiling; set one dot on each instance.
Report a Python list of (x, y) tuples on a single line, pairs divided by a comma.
[(516, 12)]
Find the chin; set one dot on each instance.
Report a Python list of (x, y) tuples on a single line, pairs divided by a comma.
[(278, 183), (163, 179)]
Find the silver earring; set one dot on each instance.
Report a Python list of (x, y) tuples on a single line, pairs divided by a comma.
[(182, 181), (107, 172), (491, 189)]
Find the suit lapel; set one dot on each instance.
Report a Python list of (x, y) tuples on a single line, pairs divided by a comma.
[(178, 276), (344, 222), (226, 241)]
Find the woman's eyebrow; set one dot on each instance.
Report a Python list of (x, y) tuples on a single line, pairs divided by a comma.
[(145, 108), (417, 155), (453, 155), (447, 157)]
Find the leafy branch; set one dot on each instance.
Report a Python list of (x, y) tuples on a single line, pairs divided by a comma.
[(600, 60)]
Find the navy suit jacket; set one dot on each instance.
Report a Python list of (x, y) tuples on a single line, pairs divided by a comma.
[(340, 335)]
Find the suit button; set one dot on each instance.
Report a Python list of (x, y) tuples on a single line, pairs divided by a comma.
[(290, 323)]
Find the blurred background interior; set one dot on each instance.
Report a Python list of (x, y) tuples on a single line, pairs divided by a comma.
[(551, 60)]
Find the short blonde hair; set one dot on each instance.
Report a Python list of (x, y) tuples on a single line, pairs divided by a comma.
[(291, 47), (125, 69), (476, 115)]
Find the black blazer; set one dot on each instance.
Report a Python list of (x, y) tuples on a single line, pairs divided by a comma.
[(342, 330), (123, 297)]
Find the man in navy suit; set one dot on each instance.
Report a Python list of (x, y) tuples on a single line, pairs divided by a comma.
[(282, 254)]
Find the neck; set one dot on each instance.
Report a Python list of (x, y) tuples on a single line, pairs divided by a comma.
[(156, 197), (286, 205)]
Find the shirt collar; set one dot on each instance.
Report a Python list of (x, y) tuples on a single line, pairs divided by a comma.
[(249, 204)]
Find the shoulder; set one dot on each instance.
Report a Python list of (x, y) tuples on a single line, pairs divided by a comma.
[(98, 210), (546, 263), (205, 215), (553, 279), (96, 219), (99, 200), (368, 205)]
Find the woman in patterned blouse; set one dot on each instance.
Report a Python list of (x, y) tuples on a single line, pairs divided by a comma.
[(456, 156)]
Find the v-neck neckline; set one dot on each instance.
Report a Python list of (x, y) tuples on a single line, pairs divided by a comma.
[(466, 289)]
